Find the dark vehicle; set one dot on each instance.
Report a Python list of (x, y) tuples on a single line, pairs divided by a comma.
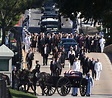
[(50, 24), (50, 12), (50, 16), (67, 41)]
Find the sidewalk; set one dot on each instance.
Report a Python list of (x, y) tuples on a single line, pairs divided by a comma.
[(103, 86)]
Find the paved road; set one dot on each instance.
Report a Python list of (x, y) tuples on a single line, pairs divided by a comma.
[(102, 88), (34, 17)]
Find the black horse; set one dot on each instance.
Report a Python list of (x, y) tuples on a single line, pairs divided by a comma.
[(22, 79), (43, 78), (33, 79)]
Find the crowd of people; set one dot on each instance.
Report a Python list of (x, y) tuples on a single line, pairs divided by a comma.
[(47, 44)]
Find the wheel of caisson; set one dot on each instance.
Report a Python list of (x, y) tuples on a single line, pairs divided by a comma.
[(49, 90), (83, 87), (63, 86)]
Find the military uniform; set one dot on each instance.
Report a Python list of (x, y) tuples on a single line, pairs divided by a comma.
[(98, 68), (102, 44), (90, 83), (75, 67)]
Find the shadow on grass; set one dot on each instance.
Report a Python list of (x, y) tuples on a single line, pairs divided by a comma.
[(20, 94)]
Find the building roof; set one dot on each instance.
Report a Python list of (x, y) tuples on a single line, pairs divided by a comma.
[(5, 51)]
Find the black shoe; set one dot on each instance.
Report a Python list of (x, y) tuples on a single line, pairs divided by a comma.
[(74, 95), (88, 95)]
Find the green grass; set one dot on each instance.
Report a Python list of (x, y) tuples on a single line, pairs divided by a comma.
[(20, 94)]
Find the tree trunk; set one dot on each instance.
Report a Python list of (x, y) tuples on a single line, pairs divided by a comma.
[(3, 35), (3, 31)]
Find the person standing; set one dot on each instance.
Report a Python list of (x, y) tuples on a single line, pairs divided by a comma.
[(14, 78), (88, 43), (98, 69), (33, 43), (27, 42), (35, 72), (71, 56), (75, 67), (58, 65), (102, 44), (45, 54), (87, 64), (29, 59), (53, 67), (92, 65), (96, 43), (90, 84)]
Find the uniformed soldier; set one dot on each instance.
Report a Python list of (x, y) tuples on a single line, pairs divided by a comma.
[(90, 84), (75, 67), (98, 69), (37, 67), (102, 43)]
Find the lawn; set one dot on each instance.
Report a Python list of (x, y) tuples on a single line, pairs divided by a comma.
[(20, 94)]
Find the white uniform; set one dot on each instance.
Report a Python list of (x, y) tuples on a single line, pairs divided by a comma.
[(98, 68), (90, 84), (102, 44), (27, 43), (75, 67)]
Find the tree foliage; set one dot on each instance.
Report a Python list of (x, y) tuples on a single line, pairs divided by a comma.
[(97, 10), (10, 11)]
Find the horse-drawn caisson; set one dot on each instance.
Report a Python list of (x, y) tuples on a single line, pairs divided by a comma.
[(50, 84), (63, 84)]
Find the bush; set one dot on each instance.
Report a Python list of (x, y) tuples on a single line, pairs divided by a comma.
[(20, 94)]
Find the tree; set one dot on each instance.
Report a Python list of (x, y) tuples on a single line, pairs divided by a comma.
[(94, 9), (10, 11), (97, 10)]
